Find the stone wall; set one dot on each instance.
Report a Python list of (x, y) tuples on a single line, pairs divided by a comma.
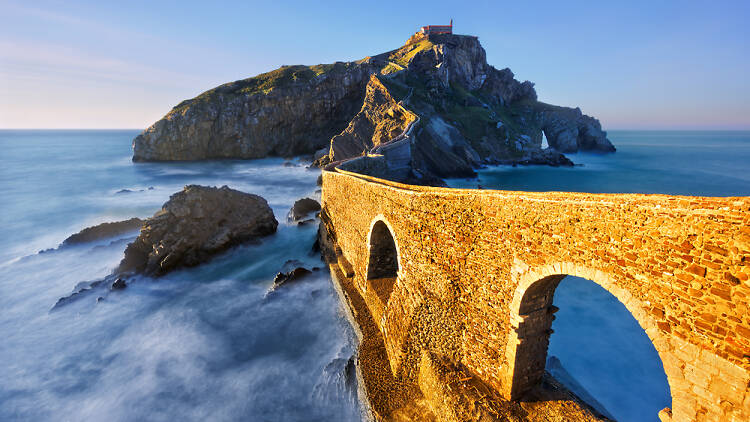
[(477, 271)]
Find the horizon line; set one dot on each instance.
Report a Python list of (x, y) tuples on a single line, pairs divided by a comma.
[(607, 130)]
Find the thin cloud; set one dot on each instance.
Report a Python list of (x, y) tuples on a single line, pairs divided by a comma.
[(40, 61)]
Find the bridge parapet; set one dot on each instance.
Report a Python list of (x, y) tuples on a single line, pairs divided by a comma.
[(478, 269)]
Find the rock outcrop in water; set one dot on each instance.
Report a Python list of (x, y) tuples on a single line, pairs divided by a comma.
[(195, 224), (459, 112), (569, 130), (302, 208), (103, 231)]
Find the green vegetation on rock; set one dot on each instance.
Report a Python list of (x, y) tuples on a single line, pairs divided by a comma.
[(264, 83), (405, 54)]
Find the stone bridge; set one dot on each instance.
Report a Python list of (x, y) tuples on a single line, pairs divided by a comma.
[(470, 275)]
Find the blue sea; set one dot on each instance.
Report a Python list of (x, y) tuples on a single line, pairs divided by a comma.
[(208, 343)]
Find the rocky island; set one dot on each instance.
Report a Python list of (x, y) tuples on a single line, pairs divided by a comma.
[(195, 224), (432, 108)]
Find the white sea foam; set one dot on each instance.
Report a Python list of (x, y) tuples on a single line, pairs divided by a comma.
[(198, 344)]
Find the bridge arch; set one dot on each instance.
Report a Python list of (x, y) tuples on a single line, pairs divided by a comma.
[(678, 264), (532, 313), (383, 258)]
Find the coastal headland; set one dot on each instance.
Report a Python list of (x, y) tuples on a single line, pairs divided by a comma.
[(461, 112)]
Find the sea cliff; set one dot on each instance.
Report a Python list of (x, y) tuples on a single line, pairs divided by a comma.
[(467, 113)]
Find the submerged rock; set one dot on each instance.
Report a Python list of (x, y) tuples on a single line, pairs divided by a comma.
[(83, 289), (544, 157), (195, 224), (290, 276), (291, 271), (302, 208), (119, 284), (103, 231)]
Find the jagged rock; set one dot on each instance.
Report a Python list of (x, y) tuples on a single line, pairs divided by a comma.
[(119, 284), (82, 290), (303, 207), (442, 150), (103, 231), (569, 130), (290, 276), (461, 60), (290, 111), (380, 120), (195, 224), (316, 246)]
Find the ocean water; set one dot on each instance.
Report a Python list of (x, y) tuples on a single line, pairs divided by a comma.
[(670, 162), (205, 343), (208, 343), (595, 338)]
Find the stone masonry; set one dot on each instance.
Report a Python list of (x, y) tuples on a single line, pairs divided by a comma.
[(477, 270)]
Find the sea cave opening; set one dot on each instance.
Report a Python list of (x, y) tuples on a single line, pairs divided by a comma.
[(593, 345)]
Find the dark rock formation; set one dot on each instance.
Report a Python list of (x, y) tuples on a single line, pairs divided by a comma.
[(543, 157), (569, 130), (103, 231), (292, 271), (119, 284), (289, 276), (84, 289), (303, 207), (195, 224), (443, 150)]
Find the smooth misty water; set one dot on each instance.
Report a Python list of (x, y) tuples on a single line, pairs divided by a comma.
[(595, 337), (206, 344), (198, 344)]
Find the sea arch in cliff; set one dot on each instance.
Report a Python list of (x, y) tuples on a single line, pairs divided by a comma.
[(532, 313)]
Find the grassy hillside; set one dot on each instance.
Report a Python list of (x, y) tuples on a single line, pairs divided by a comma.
[(266, 82)]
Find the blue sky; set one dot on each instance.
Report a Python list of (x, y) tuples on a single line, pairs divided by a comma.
[(633, 65)]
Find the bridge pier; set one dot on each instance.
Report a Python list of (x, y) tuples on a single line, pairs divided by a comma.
[(530, 332)]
